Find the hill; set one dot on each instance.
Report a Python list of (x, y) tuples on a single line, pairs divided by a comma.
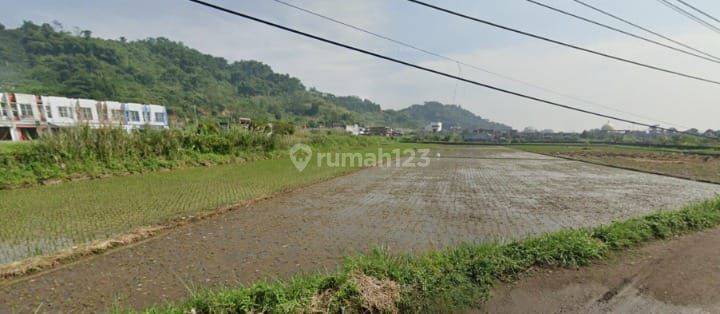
[(45, 59), (450, 116)]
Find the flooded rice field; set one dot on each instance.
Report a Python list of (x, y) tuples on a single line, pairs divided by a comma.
[(466, 194)]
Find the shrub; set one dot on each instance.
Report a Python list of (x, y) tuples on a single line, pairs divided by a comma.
[(95, 152)]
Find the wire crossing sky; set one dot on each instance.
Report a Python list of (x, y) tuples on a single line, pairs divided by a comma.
[(699, 11), (615, 29), (557, 42), (689, 15), (606, 13), (405, 63), (557, 69), (463, 63)]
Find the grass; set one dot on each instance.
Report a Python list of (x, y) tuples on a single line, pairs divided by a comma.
[(45, 219), (701, 165), (448, 280), (12, 147), (86, 152)]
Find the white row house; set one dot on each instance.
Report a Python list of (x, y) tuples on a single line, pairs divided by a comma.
[(24, 117)]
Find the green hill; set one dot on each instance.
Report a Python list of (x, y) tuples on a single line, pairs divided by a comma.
[(450, 116), (45, 59)]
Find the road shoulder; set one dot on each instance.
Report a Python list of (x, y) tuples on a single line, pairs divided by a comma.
[(678, 275)]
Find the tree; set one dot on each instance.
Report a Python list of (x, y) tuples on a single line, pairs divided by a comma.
[(57, 25), (161, 71)]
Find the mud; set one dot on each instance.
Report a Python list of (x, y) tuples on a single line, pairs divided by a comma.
[(677, 276), (467, 194)]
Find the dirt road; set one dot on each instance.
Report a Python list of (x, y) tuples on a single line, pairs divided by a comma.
[(677, 276), (468, 194)]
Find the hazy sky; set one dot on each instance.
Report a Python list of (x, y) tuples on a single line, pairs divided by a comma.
[(662, 97)]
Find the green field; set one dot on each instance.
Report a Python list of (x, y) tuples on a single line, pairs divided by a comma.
[(43, 220)]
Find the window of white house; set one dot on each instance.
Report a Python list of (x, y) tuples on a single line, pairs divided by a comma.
[(160, 117), (65, 112), (117, 115), (26, 111), (146, 116), (48, 112), (85, 114), (14, 112), (133, 116)]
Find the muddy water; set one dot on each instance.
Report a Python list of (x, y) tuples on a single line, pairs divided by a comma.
[(467, 194)]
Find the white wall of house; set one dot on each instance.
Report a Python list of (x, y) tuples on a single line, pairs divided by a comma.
[(158, 116), (434, 127), (89, 106), (116, 114), (6, 118), (26, 107), (4, 110), (58, 104), (134, 115), (353, 129), (61, 112)]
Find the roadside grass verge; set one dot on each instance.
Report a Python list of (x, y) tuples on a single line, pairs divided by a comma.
[(451, 279)]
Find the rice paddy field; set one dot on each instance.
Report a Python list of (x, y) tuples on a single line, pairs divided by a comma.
[(696, 164), (42, 220), (467, 195)]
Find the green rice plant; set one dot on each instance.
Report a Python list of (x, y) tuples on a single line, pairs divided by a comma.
[(44, 219)]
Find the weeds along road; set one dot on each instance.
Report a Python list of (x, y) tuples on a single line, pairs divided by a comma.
[(468, 194)]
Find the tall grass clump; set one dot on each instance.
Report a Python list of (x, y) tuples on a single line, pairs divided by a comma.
[(84, 151), (88, 152), (448, 280)]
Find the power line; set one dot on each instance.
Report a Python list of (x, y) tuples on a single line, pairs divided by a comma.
[(412, 65), (606, 13), (615, 29), (595, 52), (689, 15), (459, 62), (699, 11)]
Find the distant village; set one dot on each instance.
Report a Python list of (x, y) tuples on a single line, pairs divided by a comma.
[(435, 131)]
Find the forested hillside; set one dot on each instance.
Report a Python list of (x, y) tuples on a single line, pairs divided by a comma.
[(45, 59), (450, 116)]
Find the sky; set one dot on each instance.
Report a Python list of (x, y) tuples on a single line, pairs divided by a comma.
[(613, 88)]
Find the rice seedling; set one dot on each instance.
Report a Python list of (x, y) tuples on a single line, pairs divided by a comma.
[(448, 280), (44, 219)]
